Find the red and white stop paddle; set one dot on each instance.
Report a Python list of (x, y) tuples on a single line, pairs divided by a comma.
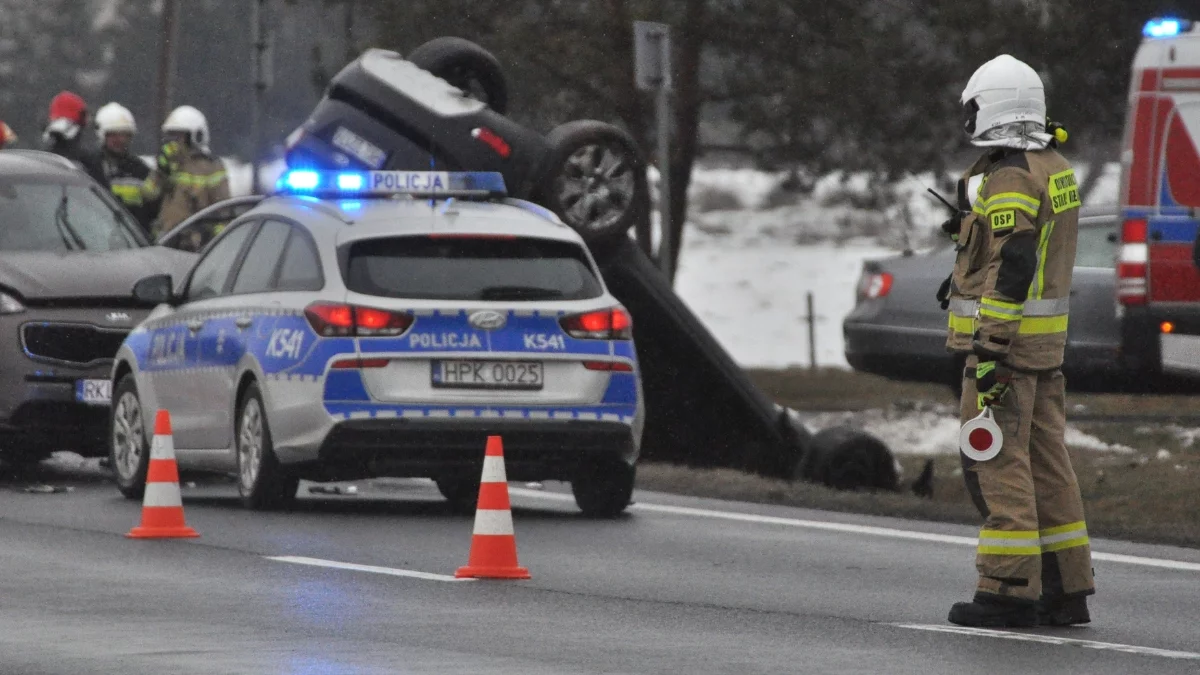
[(980, 438)]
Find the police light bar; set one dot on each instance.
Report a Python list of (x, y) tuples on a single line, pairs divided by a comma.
[(1165, 27), (353, 184)]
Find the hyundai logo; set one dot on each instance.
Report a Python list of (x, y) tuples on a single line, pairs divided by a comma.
[(486, 319), (117, 317)]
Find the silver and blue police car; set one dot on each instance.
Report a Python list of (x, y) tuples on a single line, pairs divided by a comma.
[(363, 324)]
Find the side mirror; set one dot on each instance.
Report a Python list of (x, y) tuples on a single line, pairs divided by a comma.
[(155, 290)]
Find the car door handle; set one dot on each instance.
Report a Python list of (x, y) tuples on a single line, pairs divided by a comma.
[(243, 322), (195, 325)]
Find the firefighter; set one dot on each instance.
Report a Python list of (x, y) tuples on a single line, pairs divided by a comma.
[(7, 135), (191, 179), (1008, 302), (67, 119), (128, 176)]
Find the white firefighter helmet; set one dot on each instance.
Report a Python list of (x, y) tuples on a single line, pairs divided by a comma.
[(188, 120), (1002, 91), (114, 118)]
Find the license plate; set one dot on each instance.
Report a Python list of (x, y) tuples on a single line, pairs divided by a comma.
[(488, 374), (93, 392)]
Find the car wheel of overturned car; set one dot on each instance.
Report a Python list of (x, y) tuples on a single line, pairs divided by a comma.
[(129, 449), (461, 491), (263, 482), (848, 459), (467, 66), (594, 179), (604, 489)]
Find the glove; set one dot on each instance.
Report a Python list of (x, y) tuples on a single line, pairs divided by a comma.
[(991, 381), (168, 157), (943, 293), (953, 225)]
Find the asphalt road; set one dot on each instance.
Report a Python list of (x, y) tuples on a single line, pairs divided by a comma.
[(678, 586)]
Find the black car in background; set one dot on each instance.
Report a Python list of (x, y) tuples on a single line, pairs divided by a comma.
[(898, 329)]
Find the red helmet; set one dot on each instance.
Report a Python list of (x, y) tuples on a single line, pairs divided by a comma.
[(68, 106), (7, 135)]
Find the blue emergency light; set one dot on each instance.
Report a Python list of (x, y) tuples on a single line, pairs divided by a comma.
[(355, 184), (1165, 27)]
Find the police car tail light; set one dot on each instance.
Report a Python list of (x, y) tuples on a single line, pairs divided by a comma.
[(379, 322), (606, 324), (609, 366), (330, 320), (1132, 262)]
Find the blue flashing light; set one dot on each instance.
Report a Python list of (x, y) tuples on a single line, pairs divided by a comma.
[(350, 181), (1164, 27), (302, 180)]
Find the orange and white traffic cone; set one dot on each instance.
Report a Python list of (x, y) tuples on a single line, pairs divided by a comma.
[(162, 507), (493, 545)]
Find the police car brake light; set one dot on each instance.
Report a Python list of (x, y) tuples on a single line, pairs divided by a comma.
[(338, 320), (606, 324), (356, 184), (1165, 27)]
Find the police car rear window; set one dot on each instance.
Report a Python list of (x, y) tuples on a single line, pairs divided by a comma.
[(455, 268)]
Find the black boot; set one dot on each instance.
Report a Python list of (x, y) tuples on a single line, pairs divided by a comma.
[(987, 610), (1063, 610)]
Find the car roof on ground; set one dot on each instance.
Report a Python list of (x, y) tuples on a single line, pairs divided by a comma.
[(375, 217), (33, 163)]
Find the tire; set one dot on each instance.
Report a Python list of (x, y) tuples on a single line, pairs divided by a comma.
[(604, 490), (467, 66), (129, 444), (848, 459), (263, 483), (798, 440), (594, 178), (462, 492)]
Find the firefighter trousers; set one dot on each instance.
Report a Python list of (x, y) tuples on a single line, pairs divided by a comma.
[(1034, 540)]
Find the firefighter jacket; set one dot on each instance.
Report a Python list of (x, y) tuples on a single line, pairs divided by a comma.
[(196, 182), (129, 178), (1011, 286)]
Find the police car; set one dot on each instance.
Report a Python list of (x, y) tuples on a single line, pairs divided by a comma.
[(384, 323)]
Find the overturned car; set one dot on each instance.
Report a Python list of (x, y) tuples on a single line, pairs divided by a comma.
[(442, 108)]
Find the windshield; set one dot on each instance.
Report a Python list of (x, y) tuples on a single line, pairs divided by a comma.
[(471, 269), (49, 216)]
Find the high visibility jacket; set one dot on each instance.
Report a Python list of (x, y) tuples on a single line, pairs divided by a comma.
[(1011, 286), (129, 178), (197, 183)]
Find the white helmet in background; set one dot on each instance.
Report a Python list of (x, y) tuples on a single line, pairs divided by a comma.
[(1002, 91), (114, 118), (187, 119)]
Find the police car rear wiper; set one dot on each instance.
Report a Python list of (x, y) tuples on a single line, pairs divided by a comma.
[(519, 293)]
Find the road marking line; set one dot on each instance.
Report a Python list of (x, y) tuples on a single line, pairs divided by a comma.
[(390, 571), (1052, 640), (871, 530)]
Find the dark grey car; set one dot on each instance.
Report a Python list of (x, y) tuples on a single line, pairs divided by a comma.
[(69, 257), (898, 329)]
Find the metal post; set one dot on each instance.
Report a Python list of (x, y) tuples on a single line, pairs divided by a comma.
[(667, 245), (166, 60), (260, 89), (812, 334)]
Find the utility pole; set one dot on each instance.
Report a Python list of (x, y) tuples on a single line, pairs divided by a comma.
[(166, 60), (652, 69), (262, 76)]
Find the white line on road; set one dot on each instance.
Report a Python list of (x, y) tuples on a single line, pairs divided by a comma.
[(870, 530), (1053, 640), (390, 571)]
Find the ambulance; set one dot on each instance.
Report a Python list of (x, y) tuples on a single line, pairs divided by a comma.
[(1158, 263)]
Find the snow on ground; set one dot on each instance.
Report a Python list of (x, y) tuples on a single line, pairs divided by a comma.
[(929, 429)]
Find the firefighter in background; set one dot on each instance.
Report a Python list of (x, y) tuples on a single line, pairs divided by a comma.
[(1008, 301), (189, 176), (127, 174), (7, 135), (63, 136)]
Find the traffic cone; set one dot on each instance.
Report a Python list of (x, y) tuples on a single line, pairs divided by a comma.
[(493, 545), (162, 507)]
